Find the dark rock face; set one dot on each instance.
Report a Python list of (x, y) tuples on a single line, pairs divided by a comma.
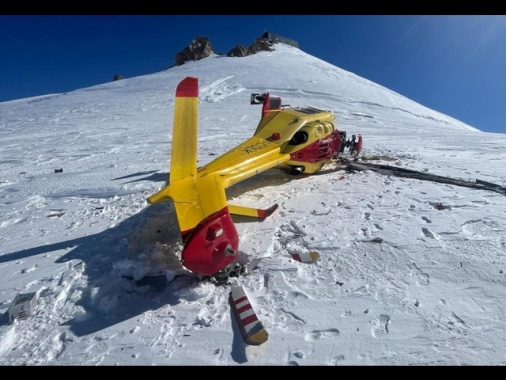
[(117, 77), (238, 51), (260, 44), (199, 48)]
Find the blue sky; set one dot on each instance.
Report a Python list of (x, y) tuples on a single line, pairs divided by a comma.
[(453, 64)]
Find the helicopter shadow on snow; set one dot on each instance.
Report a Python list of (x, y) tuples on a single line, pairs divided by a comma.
[(109, 296), (104, 301)]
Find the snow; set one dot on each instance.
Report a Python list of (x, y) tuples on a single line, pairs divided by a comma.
[(399, 281)]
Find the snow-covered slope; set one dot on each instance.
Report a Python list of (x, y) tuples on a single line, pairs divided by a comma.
[(399, 281)]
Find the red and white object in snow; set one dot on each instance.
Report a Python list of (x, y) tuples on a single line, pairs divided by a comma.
[(305, 257), (252, 330)]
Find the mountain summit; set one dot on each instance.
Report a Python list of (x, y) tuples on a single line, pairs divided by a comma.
[(201, 48)]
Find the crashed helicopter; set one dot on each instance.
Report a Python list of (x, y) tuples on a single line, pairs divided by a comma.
[(300, 140)]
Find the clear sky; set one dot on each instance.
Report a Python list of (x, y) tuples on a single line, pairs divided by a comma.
[(453, 64)]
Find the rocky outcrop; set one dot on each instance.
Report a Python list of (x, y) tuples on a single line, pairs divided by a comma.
[(199, 48), (260, 44), (238, 51), (117, 77)]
